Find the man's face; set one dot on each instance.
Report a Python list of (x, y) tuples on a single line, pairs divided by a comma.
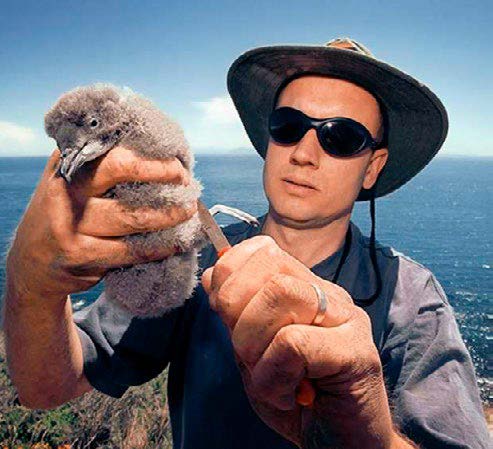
[(333, 183)]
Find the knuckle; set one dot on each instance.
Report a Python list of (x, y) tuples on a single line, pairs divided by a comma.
[(222, 269), (268, 251), (138, 220), (140, 251), (223, 300), (373, 362), (70, 256), (365, 364), (271, 246), (175, 214), (278, 288), (175, 172), (85, 246), (290, 339), (117, 163), (360, 315), (244, 349), (186, 178), (375, 365), (133, 167), (343, 294), (265, 240)]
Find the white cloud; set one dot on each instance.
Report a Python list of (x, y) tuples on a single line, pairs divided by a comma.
[(17, 140), (10, 133), (218, 110), (217, 127)]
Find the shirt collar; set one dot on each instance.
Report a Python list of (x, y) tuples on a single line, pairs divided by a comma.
[(327, 267)]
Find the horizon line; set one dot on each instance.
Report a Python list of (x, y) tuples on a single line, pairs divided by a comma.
[(254, 154)]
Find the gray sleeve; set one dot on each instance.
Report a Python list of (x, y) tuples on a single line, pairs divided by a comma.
[(436, 401), (120, 349)]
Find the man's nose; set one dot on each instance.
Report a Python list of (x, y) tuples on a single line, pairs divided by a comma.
[(307, 151)]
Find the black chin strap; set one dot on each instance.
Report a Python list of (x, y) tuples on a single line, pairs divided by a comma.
[(373, 256)]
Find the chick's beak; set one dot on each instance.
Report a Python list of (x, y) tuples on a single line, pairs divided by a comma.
[(73, 159)]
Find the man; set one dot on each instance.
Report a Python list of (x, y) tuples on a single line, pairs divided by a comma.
[(308, 306)]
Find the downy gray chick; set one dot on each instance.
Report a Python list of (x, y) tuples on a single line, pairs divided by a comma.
[(86, 123)]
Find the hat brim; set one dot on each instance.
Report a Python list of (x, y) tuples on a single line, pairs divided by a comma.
[(417, 119)]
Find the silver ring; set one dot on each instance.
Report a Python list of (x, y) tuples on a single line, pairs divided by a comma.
[(322, 305)]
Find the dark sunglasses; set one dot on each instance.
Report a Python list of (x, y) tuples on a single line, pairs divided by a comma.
[(339, 136)]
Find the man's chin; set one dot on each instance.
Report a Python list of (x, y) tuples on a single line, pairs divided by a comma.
[(298, 219)]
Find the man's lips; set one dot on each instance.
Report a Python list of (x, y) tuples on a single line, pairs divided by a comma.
[(299, 182)]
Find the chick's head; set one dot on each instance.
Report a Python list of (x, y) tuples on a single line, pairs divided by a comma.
[(86, 123)]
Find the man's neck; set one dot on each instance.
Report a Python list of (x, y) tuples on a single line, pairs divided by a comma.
[(310, 245)]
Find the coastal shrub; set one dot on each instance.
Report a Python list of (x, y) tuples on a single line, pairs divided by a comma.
[(138, 420)]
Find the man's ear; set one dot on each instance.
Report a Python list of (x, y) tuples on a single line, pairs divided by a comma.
[(375, 166)]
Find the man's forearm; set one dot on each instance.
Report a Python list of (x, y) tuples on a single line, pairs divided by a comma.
[(44, 352)]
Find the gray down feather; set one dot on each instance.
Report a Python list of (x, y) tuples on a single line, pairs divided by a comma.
[(86, 123)]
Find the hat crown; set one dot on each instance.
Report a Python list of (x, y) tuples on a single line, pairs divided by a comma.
[(346, 43)]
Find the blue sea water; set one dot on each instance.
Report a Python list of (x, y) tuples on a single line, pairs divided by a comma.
[(442, 218)]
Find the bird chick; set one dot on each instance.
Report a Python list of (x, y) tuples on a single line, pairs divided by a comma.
[(86, 123)]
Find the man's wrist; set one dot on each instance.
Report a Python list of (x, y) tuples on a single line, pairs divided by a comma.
[(316, 440), (27, 293), (361, 419)]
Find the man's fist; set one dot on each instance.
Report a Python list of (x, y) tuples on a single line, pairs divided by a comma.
[(267, 300)]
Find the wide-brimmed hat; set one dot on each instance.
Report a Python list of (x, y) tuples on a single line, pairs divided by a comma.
[(415, 118)]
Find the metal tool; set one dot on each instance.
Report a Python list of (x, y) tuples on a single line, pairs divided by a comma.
[(213, 230)]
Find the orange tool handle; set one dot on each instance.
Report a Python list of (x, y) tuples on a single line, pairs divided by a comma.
[(222, 251), (305, 393)]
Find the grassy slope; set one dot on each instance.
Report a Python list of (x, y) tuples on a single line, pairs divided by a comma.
[(139, 420)]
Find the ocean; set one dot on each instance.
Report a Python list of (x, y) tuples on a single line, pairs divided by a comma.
[(442, 219)]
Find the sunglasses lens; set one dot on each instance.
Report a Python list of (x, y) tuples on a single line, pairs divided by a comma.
[(341, 138), (286, 125)]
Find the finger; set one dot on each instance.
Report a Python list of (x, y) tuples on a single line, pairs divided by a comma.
[(250, 277), (296, 352), (95, 255), (287, 422), (53, 162), (55, 198), (284, 300), (233, 259), (109, 218), (120, 254), (244, 280), (121, 165)]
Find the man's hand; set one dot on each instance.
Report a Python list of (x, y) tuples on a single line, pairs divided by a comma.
[(266, 299), (70, 236)]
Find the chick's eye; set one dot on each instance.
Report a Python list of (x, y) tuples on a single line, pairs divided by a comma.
[(93, 123)]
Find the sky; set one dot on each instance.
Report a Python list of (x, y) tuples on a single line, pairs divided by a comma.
[(178, 53)]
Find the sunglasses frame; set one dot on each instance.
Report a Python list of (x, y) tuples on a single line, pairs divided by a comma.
[(318, 124)]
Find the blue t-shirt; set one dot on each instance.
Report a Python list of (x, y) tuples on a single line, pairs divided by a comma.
[(428, 371)]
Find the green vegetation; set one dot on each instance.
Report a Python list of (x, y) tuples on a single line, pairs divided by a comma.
[(139, 420)]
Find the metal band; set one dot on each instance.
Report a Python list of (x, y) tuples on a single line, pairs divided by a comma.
[(322, 305)]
